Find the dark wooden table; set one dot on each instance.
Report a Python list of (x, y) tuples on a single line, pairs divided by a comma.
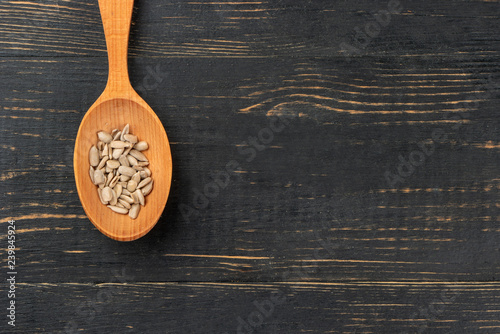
[(335, 168)]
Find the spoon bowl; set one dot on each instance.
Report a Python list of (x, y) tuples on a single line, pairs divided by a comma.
[(118, 105)]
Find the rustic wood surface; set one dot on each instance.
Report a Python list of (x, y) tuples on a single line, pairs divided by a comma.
[(287, 212)]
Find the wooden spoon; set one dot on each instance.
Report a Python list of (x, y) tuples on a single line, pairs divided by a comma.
[(118, 105)]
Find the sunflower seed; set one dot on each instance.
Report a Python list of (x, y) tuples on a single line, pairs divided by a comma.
[(140, 196), (98, 177), (118, 144), (131, 185), (124, 170), (117, 152), (133, 161), (117, 135), (143, 174), (134, 211), (103, 162), (100, 145), (141, 146), (114, 198), (144, 182), (123, 161), (113, 164), (118, 209), (124, 203), (104, 151), (118, 190), (147, 188), (127, 150), (99, 192), (130, 138), (125, 191), (114, 181), (107, 194), (91, 172), (124, 132), (104, 136), (124, 178), (147, 170), (135, 198), (94, 156), (127, 199), (109, 177), (138, 155), (136, 177)]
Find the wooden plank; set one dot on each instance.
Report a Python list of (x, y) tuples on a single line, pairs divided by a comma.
[(371, 307), (255, 28)]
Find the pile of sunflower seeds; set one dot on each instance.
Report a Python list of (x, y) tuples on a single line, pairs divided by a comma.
[(119, 170)]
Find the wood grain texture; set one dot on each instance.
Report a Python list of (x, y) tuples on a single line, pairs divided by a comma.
[(376, 307), (306, 210)]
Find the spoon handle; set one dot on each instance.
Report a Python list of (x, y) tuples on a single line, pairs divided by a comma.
[(116, 17)]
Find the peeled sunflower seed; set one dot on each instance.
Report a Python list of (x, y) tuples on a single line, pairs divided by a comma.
[(147, 188), (91, 172), (144, 182), (118, 209), (124, 203), (109, 177), (141, 146), (113, 164), (125, 131), (118, 144), (114, 198), (131, 186), (136, 177), (117, 135), (118, 190), (123, 161), (127, 171), (100, 145), (132, 161), (107, 194), (94, 156), (130, 138), (104, 136), (117, 152), (127, 150), (140, 196), (103, 162), (127, 199), (99, 192), (98, 177), (134, 211), (138, 155), (114, 181)]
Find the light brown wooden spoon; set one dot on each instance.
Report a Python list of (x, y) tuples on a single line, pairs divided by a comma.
[(118, 105)]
